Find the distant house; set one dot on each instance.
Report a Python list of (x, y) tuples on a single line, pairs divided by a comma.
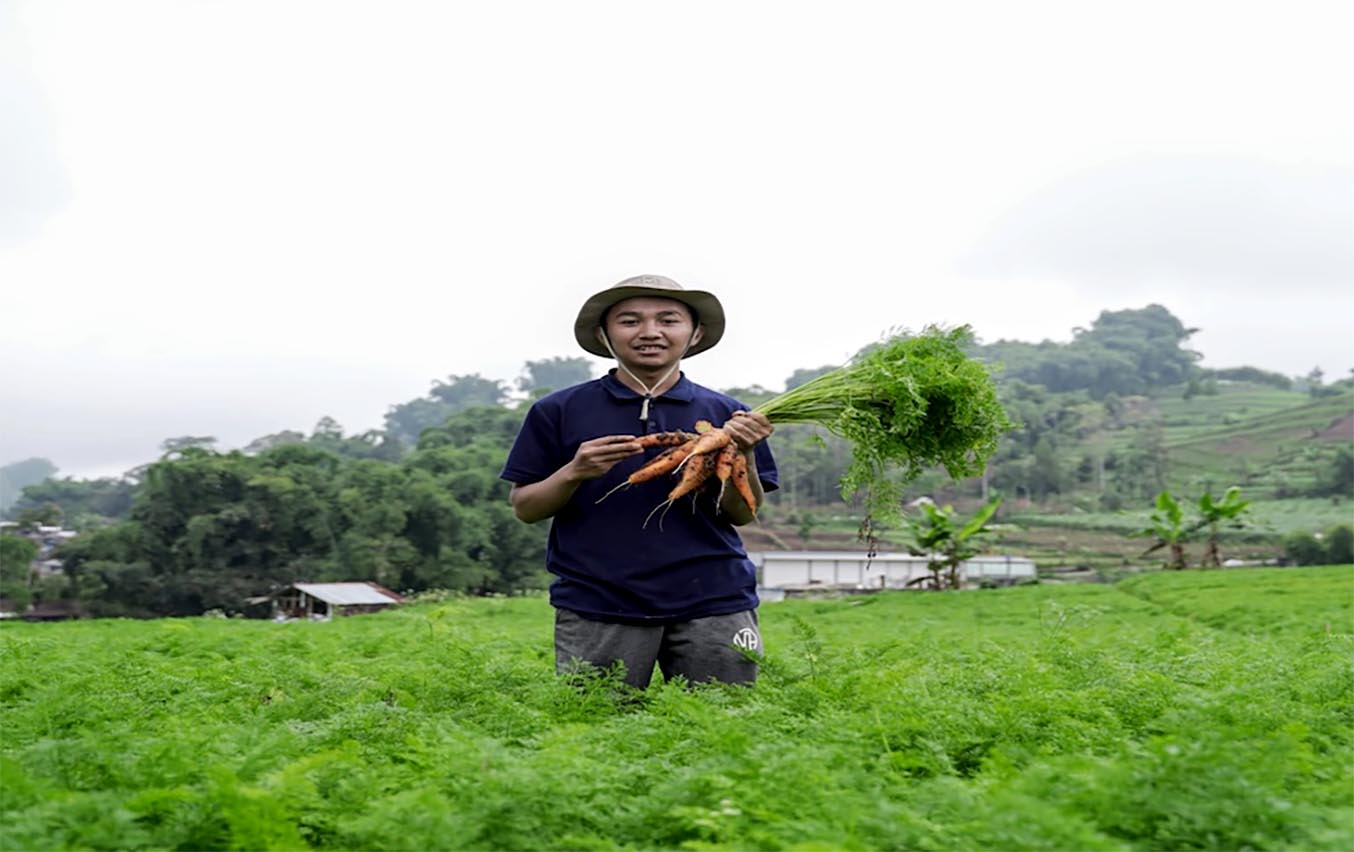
[(47, 538), (52, 611), (326, 600)]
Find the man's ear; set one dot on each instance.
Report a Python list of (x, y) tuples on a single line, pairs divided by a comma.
[(696, 338), (598, 333)]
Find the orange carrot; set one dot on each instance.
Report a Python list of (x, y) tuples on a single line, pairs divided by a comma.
[(696, 472), (724, 469), (664, 462), (741, 484), (664, 439), (715, 439), (707, 444), (692, 477)]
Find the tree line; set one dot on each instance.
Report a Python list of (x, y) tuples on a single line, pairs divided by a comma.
[(418, 504), (207, 530)]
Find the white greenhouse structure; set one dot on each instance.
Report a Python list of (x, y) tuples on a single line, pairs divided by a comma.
[(845, 570)]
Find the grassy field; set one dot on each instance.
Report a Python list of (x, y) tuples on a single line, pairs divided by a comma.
[(1196, 710), (1265, 518), (1096, 540)]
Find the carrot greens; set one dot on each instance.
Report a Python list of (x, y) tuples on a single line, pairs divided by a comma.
[(908, 404)]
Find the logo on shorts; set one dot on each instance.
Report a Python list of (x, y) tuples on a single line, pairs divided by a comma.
[(747, 638)]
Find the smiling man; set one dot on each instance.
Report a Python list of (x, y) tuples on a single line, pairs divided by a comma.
[(683, 595)]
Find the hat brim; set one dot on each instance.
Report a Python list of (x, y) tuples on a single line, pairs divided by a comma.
[(706, 306)]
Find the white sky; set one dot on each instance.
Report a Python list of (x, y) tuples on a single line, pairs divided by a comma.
[(233, 218)]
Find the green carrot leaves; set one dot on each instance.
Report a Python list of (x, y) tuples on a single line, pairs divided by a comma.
[(908, 404)]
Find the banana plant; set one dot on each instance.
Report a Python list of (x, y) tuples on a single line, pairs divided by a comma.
[(1169, 530), (937, 535), (1214, 515)]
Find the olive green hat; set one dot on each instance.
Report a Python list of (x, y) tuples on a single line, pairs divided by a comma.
[(703, 305)]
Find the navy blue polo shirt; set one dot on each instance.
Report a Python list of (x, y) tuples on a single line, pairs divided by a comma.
[(608, 566)]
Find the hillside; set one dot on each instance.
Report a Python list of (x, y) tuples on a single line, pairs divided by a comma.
[(1278, 445), (1272, 442), (1271, 451)]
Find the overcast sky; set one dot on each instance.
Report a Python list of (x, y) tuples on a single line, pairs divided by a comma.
[(233, 218)]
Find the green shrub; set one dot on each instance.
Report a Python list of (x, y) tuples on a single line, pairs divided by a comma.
[(1340, 545), (1303, 548)]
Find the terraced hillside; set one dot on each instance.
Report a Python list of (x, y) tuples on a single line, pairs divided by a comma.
[(1279, 453)]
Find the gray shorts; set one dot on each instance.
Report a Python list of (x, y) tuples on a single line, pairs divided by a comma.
[(698, 650)]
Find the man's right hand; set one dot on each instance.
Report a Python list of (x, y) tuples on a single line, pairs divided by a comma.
[(594, 458)]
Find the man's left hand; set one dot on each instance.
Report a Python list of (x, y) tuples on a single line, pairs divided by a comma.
[(748, 429)]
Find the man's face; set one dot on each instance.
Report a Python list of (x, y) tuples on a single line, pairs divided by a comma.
[(650, 333)]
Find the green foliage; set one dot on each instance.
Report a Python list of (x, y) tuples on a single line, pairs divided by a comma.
[(907, 404), (1031, 458), (1271, 518), (39, 515), (209, 530), (811, 462), (1214, 515), (804, 375), (82, 503), (1338, 477), (1124, 352), (16, 556), (1252, 375), (1272, 442), (1139, 470), (1170, 712), (753, 395), (406, 421), (1303, 548), (553, 374), (939, 535), (1167, 528), (16, 476), (1340, 545), (187, 442)]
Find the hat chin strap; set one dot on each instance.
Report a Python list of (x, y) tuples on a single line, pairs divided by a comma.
[(648, 391)]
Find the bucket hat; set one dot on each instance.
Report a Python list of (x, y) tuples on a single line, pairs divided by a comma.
[(703, 305)]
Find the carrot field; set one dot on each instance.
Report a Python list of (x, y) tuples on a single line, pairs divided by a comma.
[(1168, 711)]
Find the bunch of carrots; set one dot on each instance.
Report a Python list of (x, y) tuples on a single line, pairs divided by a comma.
[(908, 404), (696, 456)]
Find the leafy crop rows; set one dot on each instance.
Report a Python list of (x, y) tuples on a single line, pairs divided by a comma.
[(1268, 518), (1200, 709)]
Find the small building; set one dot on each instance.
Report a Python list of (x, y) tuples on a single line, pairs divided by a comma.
[(325, 600), (53, 611), (844, 570)]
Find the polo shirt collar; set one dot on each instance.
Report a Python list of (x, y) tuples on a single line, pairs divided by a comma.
[(683, 391)]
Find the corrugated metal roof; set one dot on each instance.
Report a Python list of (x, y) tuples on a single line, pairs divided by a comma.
[(347, 594), (860, 556)]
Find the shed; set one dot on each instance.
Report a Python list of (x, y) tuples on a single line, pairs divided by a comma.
[(854, 570), (325, 600), (52, 611)]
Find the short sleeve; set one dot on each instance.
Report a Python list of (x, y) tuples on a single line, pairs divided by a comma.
[(536, 453)]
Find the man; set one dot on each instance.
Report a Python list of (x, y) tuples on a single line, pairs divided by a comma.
[(682, 594)]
